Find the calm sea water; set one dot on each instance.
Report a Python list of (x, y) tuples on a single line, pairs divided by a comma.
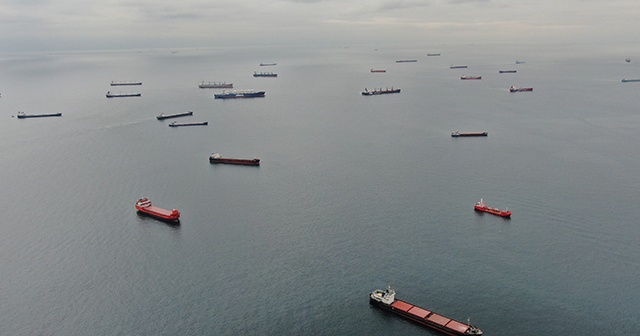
[(353, 193)]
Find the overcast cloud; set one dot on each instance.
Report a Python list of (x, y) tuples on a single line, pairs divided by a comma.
[(109, 24)]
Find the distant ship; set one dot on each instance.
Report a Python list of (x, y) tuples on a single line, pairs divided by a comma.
[(433, 54), (470, 77), (264, 74), (457, 134), (480, 206), (630, 80), (520, 89), (378, 70), (239, 94), (217, 158), (145, 207), (519, 62), (22, 115), (113, 83), (386, 299), (118, 95), (406, 61), (458, 67), (267, 64), (507, 71), (198, 123), (215, 85), (379, 91), (628, 60), (176, 115)]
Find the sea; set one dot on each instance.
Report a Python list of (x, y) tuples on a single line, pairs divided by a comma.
[(353, 193)]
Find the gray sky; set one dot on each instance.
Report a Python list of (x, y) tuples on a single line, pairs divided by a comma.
[(114, 24)]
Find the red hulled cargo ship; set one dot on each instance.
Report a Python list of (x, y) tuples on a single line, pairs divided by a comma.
[(145, 207), (385, 299), (480, 206), (217, 158)]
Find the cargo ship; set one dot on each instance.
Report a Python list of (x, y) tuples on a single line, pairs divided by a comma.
[(113, 83), (470, 77), (239, 94), (457, 134), (215, 85), (385, 299), (433, 54), (630, 80), (217, 158), (406, 61), (520, 89), (145, 207), (379, 91), (507, 71), (267, 64), (458, 67), (163, 116), (118, 95), (200, 123), (265, 74), (22, 115), (378, 70), (480, 206)]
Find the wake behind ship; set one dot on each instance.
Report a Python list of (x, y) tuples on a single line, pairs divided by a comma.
[(239, 94), (386, 299)]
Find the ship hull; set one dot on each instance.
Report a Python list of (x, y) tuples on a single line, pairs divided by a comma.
[(469, 134), (215, 86), (163, 116), (379, 92), (122, 95), (241, 162), (416, 319), (204, 123), (159, 213), (495, 212), (239, 95), (25, 116), (158, 217)]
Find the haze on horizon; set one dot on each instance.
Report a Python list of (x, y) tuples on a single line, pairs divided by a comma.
[(45, 25)]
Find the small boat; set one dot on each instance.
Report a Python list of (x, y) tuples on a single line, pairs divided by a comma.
[(22, 115), (379, 91), (145, 207), (264, 74), (520, 89), (628, 60), (458, 66), (507, 71), (406, 61), (433, 54), (470, 77), (458, 134), (480, 206), (163, 116), (177, 124), (217, 158), (215, 85), (267, 64), (118, 95), (113, 83), (378, 70), (630, 80), (519, 62), (239, 94)]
